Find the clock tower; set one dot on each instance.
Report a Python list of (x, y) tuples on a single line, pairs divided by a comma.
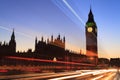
[(91, 39)]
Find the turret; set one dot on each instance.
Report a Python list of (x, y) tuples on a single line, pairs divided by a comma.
[(48, 40), (12, 43), (64, 39), (58, 37), (42, 38), (35, 43), (52, 38)]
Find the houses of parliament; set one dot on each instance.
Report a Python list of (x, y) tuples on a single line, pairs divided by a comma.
[(49, 49), (53, 49)]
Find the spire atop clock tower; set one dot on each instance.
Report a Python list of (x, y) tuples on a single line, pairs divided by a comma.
[(90, 16)]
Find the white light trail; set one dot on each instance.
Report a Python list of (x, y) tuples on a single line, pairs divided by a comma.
[(98, 77), (95, 72), (20, 33), (71, 76), (110, 77), (72, 10), (5, 28), (74, 76)]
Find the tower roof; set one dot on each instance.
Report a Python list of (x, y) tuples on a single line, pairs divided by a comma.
[(90, 13), (13, 35), (90, 16)]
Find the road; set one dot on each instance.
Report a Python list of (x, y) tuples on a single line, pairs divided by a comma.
[(109, 74)]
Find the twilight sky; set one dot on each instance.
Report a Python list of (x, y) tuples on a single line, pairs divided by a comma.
[(31, 18)]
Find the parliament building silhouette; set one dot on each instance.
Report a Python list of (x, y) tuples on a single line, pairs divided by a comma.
[(50, 49), (52, 52)]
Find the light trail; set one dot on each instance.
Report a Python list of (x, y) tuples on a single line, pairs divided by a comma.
[(49, 76), (5, 28), (43, 60), (24, 75), (63, 75), (101, 72), (110, 77), (20, 33), (72, 10), (88, 74), (98, 77), (72, 76)]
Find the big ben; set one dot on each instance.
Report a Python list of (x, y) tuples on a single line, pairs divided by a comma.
[(91, 39)]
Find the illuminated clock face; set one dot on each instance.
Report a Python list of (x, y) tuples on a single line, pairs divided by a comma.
[(90, 29)]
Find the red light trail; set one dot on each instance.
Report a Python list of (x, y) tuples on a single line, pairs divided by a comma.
[(50, 61)]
